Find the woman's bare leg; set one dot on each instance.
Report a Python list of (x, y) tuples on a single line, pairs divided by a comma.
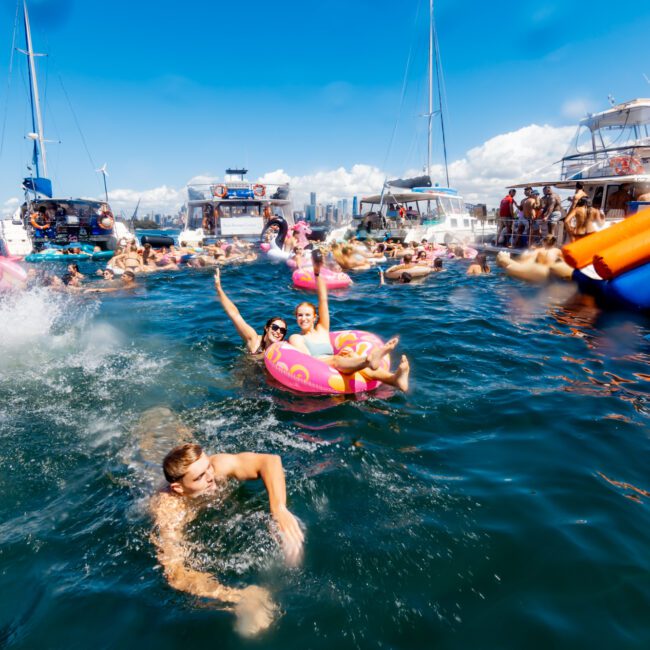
[(399, 379)]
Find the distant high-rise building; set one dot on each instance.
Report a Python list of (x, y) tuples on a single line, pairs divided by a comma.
[(312, 198), (355, 205)]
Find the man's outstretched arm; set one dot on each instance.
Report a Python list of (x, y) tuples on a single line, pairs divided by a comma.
[(250, 466)]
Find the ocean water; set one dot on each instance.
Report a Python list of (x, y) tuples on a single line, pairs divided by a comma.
[(502, 503)]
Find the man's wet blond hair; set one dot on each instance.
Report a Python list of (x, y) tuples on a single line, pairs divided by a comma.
[(178, 460)]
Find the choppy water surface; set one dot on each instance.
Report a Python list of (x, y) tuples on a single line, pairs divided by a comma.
[(502, 503)]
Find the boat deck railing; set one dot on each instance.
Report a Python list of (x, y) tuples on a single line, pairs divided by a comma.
[(612, 161)]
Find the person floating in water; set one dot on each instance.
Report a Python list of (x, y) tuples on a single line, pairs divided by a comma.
[(194, 480), (314, 340)]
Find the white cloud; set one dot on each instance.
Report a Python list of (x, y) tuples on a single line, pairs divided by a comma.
[(577, 108), (9, 206), (481, 176)]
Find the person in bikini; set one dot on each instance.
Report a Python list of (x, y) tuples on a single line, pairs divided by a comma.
[(314, 340), (274, 331)]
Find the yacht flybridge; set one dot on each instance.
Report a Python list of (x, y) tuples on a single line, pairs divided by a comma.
[(609, 154)]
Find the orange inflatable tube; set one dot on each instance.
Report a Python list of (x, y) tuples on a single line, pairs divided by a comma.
[(581, 253), (623, 256)]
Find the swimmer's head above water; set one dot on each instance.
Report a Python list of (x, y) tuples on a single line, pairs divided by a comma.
[(275, 331), (188, 471), (306, 316)]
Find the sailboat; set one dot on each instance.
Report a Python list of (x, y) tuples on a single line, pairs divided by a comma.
[(415, 209), (42, 221)]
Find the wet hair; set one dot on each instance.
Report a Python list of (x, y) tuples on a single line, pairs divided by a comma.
[(579, 186), (178, 460), (129, 274), (302, 304), (107, 270), (422, 254), (270, 322), (481, 260), (405, 277), (437, 263), (67, 278), (408, 258)]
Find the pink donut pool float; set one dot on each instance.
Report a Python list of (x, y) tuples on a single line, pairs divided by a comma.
[(304, 278), (306, 374), (12, 276)]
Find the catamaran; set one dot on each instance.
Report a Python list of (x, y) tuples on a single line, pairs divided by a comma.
[(233, 207), (43, 221), (415, 209)]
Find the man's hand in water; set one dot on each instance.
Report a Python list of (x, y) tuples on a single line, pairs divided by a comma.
[(255, 611), (291, 535)]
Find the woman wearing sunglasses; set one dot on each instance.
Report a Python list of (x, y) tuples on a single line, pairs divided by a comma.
[(274, 331)]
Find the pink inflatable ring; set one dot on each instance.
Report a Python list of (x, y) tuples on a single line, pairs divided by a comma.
[(304, 278), (303, 373)]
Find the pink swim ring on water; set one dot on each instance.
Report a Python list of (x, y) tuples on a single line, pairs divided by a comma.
[(12, 276), (305, 374), (304, 278)]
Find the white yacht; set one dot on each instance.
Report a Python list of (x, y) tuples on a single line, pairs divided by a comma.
[(232, 207), (437, 214), (413, 209), (609, 152)]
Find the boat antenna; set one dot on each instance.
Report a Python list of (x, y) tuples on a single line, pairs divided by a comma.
[(37, 120), (104, 173)]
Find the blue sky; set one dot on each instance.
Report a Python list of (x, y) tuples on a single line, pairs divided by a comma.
[(164, 92)]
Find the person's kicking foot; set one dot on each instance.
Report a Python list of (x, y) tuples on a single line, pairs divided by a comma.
[(402, 374), (377, 354)]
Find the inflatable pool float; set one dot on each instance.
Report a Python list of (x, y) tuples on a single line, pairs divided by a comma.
[(414, 271), (304, 278), (55, 253), (12, 276), (306, 374), (580, 253), (630, 290), (274, 250)]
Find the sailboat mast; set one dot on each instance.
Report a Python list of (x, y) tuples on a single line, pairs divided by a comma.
[(430, 111), (439, 84), (37, 120)]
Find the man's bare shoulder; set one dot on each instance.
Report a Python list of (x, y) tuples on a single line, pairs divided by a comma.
[(168, 509)]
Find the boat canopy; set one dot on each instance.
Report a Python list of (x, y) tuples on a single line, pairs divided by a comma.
[(404, 197), (570, 184)]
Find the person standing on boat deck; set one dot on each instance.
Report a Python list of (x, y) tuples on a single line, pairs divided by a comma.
[(525, 216), (507, 213), (618, 201), (274, 331), (551, 212), (579, 194), (196, 480)]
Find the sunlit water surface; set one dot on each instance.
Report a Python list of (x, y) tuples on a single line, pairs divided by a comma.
[(502, 503)]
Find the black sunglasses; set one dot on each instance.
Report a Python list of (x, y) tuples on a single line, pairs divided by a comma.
[(279, 328)]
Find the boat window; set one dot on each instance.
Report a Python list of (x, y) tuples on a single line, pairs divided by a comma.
[(240, 209), (597, 200), (582, 141), (465, 223), (453, 223)]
